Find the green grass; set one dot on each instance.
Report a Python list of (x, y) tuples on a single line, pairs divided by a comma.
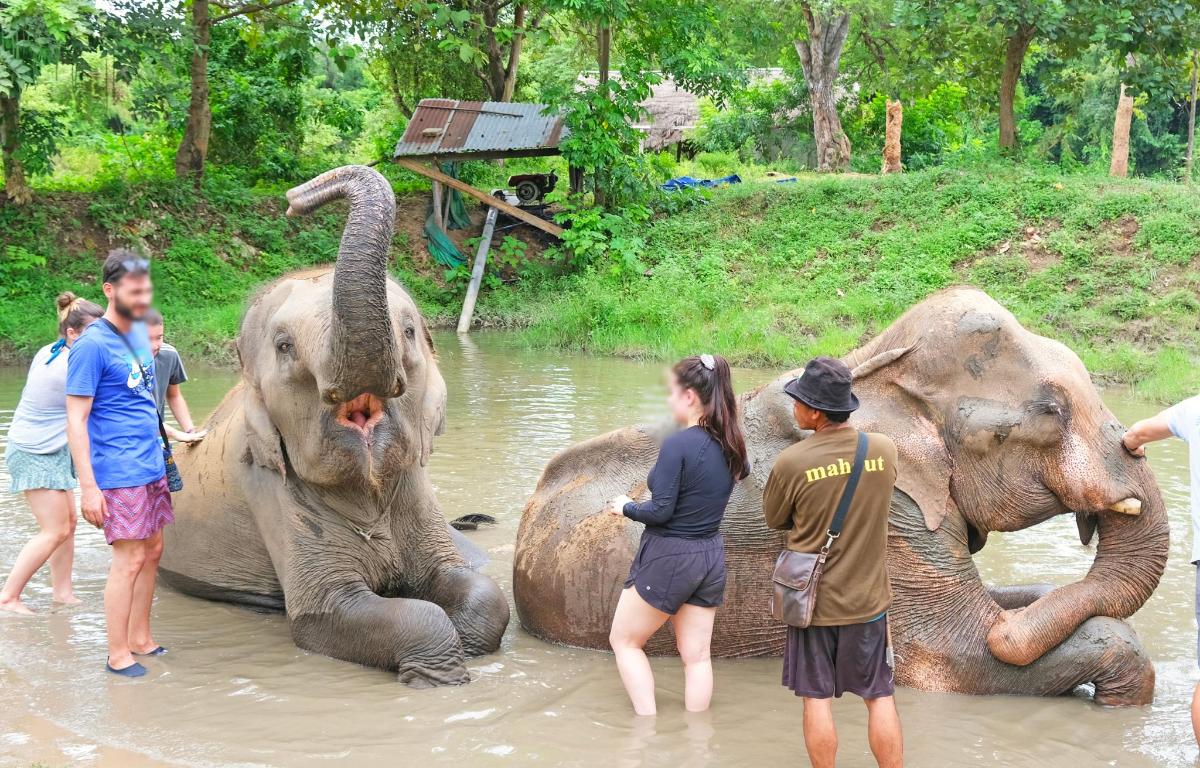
[(773, 274), (767, 274)]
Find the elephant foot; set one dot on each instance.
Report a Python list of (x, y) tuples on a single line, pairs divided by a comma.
[(477, 608), (420, 677), (1125, 673)]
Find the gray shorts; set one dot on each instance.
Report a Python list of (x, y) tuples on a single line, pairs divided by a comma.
[(1198, 612)]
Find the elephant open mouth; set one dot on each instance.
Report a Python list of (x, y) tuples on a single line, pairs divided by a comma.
[(361, 414)]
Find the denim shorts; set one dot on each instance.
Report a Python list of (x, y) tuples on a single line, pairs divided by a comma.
[(669, 571)]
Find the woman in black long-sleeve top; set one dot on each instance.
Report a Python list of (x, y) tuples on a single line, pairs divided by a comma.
[(679, 571)]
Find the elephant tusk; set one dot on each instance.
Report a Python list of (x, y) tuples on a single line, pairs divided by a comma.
[(1130, 506)]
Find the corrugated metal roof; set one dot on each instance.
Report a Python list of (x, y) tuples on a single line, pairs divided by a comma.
[(446, 127)]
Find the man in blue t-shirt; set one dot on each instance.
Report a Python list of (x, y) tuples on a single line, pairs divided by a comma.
[(1181, 420), (112, 428)]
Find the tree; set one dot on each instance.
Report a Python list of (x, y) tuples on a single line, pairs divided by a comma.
[(827, 26), (1191, 129), (33, 33), (193, 149), (649, 39)]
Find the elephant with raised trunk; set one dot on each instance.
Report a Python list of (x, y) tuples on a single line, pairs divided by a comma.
[(996, 428), (310, 493)]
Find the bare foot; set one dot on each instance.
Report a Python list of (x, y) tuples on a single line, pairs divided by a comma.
[(143, 648), (68, 600), (15, 606)]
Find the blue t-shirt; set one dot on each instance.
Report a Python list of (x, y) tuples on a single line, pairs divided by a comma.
[(1184, 421), (123, 425)]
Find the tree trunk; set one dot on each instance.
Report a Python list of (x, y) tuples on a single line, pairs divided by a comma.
[(501, 79), (193, 150), (1014, 57), (15, 186), (891, 141), (604, 48), (1120, 145), (1191, 133), (820, 54)]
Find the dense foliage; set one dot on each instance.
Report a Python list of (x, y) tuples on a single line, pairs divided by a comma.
[(173, 125)]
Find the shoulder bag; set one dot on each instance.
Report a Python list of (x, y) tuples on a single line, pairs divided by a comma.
[(174, 479), (798, 574)]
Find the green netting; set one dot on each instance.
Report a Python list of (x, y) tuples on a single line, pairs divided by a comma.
[(441, 248)]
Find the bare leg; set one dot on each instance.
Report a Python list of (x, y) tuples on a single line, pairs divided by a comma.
[(51, 513), (1196, 712), (140, 639), (128, 557), (63, 560), (633, 624), (820, 735), (883, 732), (693, 636)]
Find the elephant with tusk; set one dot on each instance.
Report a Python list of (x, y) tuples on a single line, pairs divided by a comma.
[(310, 493), (996, 428)]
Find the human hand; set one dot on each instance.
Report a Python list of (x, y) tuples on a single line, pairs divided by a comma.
[(1139, 451), (93, 506), (191, 437), (616, 506)]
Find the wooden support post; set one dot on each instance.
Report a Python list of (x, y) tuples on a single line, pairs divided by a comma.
[(438, 221), (485, 242), (432, 173)]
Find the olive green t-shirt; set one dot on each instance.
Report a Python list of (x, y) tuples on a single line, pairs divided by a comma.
[(802, 494)]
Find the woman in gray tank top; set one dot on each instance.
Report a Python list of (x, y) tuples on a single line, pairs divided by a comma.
[(39, 461)]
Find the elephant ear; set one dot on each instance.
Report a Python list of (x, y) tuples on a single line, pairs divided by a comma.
[(433, 409), (895, 406), (263, 444)]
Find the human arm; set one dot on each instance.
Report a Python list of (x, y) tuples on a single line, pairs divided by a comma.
[(179, 408), (91, 501), (664, 487), (777, 503), (1157, 427)]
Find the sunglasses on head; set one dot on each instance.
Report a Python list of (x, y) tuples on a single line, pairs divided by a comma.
[(127, 266)]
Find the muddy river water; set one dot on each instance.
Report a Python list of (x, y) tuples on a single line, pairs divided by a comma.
[(234, 691)]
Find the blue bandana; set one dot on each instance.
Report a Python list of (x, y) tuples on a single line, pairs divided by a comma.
[(57, 347)]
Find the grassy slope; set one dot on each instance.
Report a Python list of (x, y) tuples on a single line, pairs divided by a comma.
[(767, 274), (773, 274)]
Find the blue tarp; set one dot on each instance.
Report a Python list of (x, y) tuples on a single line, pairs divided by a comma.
[(687, 182)]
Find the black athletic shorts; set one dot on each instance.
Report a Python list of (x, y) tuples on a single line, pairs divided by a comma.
[(669, 571), (824, 662)]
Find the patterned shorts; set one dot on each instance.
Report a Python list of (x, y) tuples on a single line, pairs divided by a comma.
[(137, 513)]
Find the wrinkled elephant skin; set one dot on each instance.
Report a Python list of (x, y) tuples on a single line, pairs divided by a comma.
[(997, 429), (310, 494)]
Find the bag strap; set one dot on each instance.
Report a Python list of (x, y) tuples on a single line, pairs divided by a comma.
[(839, 517), (162, 428)]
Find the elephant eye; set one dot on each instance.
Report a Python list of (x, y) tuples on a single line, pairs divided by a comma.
[(410, 333), (284, 347)]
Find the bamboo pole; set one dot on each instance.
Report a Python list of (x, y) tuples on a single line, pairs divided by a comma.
[(485, 242), (438, 221), (483, 197)]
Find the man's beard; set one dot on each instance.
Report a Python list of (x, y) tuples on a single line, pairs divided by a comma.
[(126, 311)]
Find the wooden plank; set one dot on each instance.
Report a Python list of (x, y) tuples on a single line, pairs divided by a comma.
[(485, 242), (483, 197)]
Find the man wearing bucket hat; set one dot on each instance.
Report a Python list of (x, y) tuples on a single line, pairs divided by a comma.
[(844, 647)]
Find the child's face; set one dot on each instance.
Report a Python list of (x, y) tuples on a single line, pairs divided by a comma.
[(156, 338)]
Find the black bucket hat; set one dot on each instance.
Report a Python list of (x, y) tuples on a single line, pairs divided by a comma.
[(824, 385)]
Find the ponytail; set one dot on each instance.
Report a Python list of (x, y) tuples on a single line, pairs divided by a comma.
[(710, 378), (75, 313)]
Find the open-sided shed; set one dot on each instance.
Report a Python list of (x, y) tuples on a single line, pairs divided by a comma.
[(448, 130)]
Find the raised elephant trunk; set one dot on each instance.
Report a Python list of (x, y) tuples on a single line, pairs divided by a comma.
[(1130, 558), (363, 351)]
